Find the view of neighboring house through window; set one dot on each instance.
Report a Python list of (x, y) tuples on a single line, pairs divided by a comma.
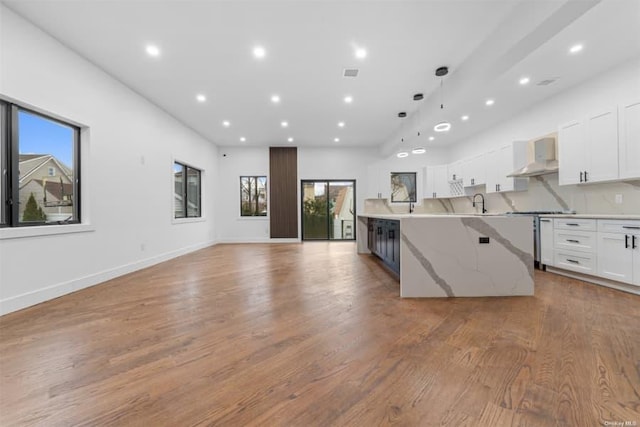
[(186, 191), (253, 196), (40, 162)]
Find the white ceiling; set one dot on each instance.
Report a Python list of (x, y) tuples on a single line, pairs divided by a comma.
[(207, 48)]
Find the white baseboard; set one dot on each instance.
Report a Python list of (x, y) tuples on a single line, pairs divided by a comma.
[(254, 240), (29, 299), (597, 280)]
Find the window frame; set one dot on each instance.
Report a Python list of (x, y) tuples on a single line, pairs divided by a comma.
[(266, 189), (185, 199), (10, 161)]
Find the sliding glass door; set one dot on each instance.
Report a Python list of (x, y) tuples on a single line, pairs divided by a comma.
[(328, 210)]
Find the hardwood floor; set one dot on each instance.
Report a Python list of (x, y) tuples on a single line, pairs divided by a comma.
[(315, 335)]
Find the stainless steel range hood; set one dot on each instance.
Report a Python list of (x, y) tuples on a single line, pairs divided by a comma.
[(541, 156)]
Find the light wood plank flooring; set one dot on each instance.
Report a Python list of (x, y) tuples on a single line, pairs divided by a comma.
[(315, 335)]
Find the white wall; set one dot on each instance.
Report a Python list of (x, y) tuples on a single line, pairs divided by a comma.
[(313, 163), (619, 84), (234, 162), (128, 149)]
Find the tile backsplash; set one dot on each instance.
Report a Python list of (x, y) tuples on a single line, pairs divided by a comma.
[(543, 193)]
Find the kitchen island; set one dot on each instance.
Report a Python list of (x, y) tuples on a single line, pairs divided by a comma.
[(454, 255)]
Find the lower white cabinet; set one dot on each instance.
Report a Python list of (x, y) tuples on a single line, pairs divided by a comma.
[(619, 251), (582, 262), (574, 243), (546, 241)]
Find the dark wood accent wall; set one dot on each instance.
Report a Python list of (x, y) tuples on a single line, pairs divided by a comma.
[(283, 207)]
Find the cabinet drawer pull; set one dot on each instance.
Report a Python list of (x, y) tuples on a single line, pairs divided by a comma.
[(626, 241), (573, 224), (573, 261), (631, 227), (545, 220), (633, 242), (573, 241)]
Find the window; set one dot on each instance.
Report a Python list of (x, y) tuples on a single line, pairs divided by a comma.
[(253, 196), (186, 191), (40, 166)]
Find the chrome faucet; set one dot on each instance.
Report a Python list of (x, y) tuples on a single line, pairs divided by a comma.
[(473, 202)]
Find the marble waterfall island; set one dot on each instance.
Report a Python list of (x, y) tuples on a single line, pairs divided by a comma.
[(459, 255)]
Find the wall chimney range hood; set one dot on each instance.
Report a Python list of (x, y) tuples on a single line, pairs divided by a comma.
[(541, 159)]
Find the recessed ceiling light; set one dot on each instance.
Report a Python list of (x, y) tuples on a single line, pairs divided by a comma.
[(153, 50), (442, 127), (431, 138), (201, 98), (275, 98), (226, 123), (340, 124), (336, 139), (348, 99), (575, 48), (289, 139), (489, 102), (464, 118), (259, 52), (402, 154), (361, 53), (419, 150), (243, 139), (284, 124), (524, 80)]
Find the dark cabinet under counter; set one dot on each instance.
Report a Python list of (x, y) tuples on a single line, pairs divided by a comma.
[(383, 240)]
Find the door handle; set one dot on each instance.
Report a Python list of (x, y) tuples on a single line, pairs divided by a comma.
[(585, 176), (633, 242), (392, 234), (626, 241), (580, 176)]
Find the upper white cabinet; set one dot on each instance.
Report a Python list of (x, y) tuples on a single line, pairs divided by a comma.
[(474, 171), (629, 140), (500, 163), (454, 171), (377, 186), (602, 146), (436, 182), (572, 157), (588, 149)]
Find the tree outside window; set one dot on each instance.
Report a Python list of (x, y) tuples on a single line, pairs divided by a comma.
[(253, 196)]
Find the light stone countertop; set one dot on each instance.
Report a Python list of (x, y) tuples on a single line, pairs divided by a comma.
[(594, 216)]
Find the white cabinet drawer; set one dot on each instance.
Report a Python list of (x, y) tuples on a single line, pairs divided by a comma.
[(618, 226), (581, 262), (575, 224), (574, 240)]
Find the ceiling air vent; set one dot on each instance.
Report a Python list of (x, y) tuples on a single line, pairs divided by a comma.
[(546, 82), (350, 72)]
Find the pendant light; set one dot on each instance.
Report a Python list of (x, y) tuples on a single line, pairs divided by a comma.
[(444, 125), (418, 150)]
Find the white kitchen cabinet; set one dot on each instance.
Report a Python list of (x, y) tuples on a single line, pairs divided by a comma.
[(619, 250), (454, 171), (437, 182), (377, 186), (546, 241), (588, 148), (500, 163), (602, 146), (629, 140), (572, 152), (473, 171)]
